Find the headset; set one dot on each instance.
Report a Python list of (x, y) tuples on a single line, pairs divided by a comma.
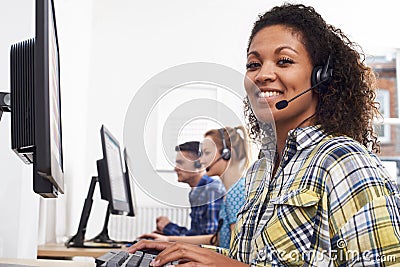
[(196, 150), (321, 76), (197, 164), (226, 153)]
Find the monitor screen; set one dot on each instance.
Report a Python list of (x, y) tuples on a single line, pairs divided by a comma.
[(113, 185), (36, 102)]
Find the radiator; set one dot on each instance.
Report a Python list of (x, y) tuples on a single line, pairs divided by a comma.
[(129, 228)]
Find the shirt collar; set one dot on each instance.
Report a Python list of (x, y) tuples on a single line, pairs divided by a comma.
[(204, 180), (304, 137)]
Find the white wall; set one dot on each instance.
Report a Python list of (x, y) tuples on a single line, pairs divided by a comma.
[(108, 50), (19, 206), (17, 197), (75, 33)]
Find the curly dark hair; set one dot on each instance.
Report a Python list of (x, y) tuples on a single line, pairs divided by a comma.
[(348, 106)]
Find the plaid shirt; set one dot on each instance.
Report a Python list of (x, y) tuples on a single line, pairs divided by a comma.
[(331, 203), (205, 201)]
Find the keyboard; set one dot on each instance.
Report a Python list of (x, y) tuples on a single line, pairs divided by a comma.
[(124, 259)]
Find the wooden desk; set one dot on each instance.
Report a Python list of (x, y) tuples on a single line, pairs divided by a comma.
[(47, 263), (60, 251)]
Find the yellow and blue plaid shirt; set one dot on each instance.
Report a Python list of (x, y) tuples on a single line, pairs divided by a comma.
[(330, 203)]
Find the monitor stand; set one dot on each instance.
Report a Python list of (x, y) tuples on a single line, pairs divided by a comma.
[(103, 236), (78, 240)]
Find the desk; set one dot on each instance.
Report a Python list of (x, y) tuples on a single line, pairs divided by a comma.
[(60, 251), (47, 263)]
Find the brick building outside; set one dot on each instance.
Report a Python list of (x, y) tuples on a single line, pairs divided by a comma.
[(386, 69)]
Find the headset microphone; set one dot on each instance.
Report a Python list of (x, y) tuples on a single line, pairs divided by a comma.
[(212, 164), (321, 77), (284, 103)]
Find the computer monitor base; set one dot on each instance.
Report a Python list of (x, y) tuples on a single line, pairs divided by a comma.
[(103, 237), (100, 241), (95, 245)]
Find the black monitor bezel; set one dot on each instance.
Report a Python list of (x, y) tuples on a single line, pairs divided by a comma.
[(130, 188), (46, 164), (104, 176)]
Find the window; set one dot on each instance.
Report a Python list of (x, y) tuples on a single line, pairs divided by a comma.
[(383, 130)]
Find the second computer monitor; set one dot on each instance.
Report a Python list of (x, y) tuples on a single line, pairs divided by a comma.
[(131, 191), (111, 176)]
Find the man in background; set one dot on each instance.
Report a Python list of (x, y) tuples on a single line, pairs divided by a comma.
[(205, 197)]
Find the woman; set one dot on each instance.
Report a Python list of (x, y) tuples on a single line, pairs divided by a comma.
[(224, 153), (324, 199)]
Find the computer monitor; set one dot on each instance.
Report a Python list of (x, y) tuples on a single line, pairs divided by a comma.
[(113, 183), (130, 191), (36, 103), (115, 187)]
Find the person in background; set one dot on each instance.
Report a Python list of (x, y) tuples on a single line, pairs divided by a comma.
[(205, 196), (224, 153), (319, 196)]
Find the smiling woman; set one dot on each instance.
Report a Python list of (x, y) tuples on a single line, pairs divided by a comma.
[(323, 193), (280, 71)]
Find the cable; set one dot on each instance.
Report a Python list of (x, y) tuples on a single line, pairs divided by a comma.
[(213, 239)]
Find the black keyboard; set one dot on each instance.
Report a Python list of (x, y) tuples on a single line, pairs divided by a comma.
[(125, 259)]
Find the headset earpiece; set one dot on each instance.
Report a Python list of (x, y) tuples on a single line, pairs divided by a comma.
[(197, 164), (323, 75), (225, 152)]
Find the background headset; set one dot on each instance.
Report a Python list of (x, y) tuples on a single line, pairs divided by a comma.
[(194, 148), (225, 152), (197, 163)]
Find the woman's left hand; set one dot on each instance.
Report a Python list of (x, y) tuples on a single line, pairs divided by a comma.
[(154, 236)]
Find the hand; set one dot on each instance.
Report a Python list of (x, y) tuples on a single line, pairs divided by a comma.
[(161, 222), (148, 244), (188, 255), (154, 236)]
